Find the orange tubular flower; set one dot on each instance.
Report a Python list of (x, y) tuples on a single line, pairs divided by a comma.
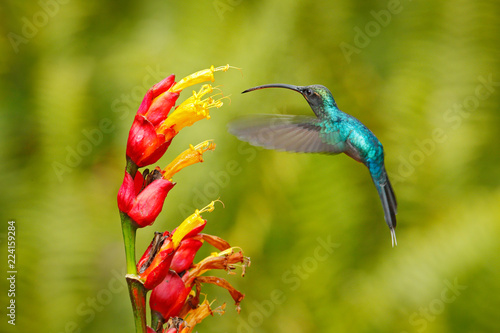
[(196, 316), (192, 318), (226, 260), (174, 295), (153, 130), (167, 268)]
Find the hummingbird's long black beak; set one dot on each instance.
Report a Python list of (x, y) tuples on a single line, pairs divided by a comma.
[(275, 85)]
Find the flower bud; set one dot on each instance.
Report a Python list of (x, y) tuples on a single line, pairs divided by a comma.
[(142, 205), (169, 296)]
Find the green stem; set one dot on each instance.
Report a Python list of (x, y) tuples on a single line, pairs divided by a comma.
[(131, 167), (135, 287), (138, 297), (129, 228)]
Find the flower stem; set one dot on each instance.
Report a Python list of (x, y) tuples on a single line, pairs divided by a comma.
[(138, 297), (131, 167), (136, 289), (129, 228)]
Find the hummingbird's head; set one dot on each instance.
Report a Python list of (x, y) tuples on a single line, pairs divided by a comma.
[(316, 95)]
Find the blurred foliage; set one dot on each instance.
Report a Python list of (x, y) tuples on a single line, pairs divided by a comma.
[(80, 63)]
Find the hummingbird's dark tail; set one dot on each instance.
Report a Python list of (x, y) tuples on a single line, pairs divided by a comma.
[(389, 203)]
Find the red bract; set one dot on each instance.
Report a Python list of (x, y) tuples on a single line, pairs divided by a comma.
[(158, 269), (173, 296), (151, 251), (142, 205), (184, 256), (145, 143), (145, 146), (169, 297), (157, 260), (158, 101), (153, 128)]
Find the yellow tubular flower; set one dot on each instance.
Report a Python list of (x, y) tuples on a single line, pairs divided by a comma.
[(228, 260), (188, 157), (190, 111), (198, 77), (196, 316), (193, 221)]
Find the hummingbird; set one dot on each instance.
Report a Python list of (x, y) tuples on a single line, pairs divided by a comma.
[(330, 132)]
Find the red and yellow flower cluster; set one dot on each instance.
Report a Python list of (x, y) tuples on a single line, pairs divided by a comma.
[(141, 196), (167, 268)]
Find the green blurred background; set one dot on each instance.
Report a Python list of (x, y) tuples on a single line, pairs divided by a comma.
[(423, 75)]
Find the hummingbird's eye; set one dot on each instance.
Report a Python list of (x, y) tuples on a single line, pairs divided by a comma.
[(309, 92)]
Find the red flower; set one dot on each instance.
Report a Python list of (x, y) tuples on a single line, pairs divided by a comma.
[(154, 270), (142, 198), (184, 256), (145, 145), (152, 130), (169, 297), (170, 256), (142, 205), (173, 297), (164, 267)]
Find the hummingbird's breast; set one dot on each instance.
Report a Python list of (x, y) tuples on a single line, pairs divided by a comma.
[(362, 144)]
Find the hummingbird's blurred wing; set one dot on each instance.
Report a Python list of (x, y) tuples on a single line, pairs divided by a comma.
[(287, 132)]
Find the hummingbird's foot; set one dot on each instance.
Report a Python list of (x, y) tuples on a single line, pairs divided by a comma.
[(393, 237)]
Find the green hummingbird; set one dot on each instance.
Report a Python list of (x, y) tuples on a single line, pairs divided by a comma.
[(330, 132)]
